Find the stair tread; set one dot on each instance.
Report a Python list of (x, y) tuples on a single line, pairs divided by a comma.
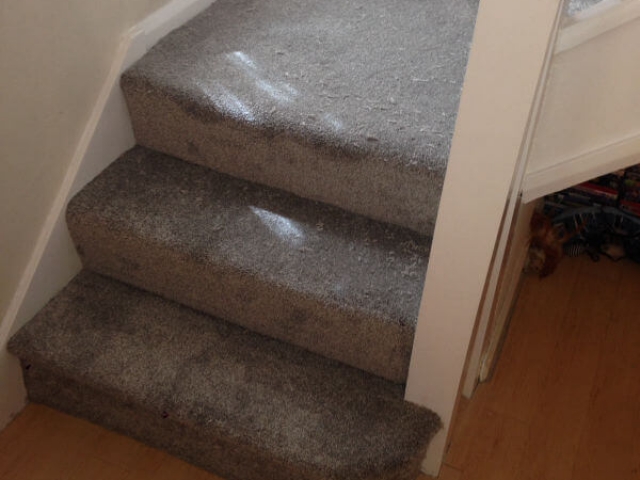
[(380, 81), (375, 70), (148, 202), (223, 380)]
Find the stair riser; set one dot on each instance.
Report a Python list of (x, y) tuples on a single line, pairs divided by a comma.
[(217, 454), (384, 347), (355, 181)]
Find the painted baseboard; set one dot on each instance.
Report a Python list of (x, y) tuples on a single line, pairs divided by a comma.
[(107, 135), (569, 172)]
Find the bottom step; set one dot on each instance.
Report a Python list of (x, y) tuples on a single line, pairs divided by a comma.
[(233, 402)]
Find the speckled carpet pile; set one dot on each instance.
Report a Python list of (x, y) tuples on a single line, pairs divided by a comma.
[(253, 269), (350, 103), (321, 278)]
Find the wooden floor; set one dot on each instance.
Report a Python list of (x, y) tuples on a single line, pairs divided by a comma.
[(564, 403)]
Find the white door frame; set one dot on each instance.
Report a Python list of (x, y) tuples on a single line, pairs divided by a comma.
[(512, 46)]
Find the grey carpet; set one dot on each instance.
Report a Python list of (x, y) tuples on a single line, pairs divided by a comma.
[(350, 103), (237, 403), (333, 282)]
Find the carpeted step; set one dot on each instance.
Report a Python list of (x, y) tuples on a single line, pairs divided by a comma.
[(234, 402), (333, 282), (350, 103)]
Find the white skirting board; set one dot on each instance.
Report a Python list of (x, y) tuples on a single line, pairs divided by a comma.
[(107, 135), (566, 173)]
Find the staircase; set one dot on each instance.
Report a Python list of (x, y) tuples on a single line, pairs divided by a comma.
[(253, 268)]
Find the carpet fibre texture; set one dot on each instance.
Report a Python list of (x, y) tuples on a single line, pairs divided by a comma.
[(321, 278), (253, 268), (350, 103), (237, 403)]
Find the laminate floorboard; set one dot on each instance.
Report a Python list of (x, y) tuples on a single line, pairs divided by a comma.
[(563, 400)]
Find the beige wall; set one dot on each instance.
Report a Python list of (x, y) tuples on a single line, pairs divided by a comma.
[(54, 57), (592, 99), (590, 120)]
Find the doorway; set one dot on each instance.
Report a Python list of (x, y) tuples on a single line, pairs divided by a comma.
[(562, 400)]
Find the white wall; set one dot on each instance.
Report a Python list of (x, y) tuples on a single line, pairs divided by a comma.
[(590, 119), (54, 57)]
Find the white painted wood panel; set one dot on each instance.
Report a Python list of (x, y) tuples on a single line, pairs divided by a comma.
[(511, 47)]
